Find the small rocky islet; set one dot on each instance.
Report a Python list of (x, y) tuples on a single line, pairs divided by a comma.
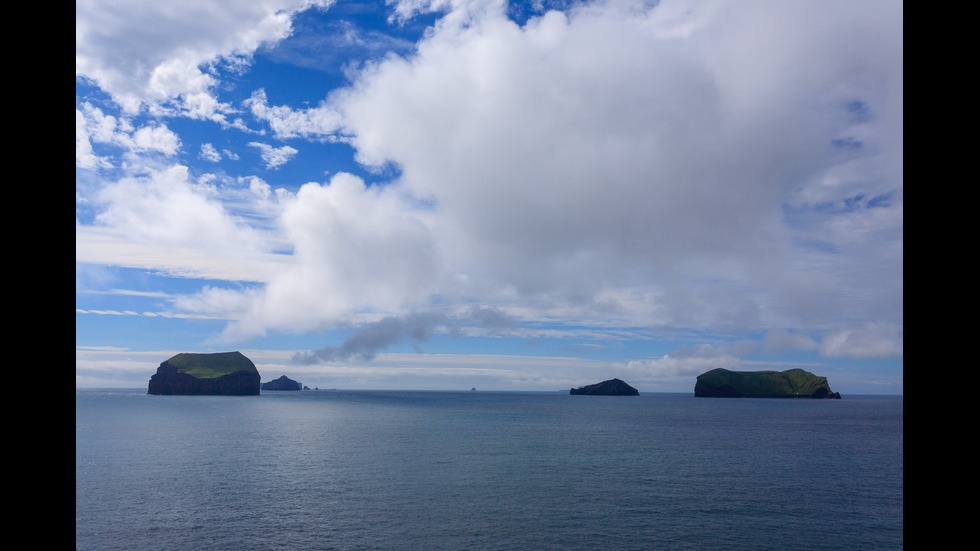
[(282, 383), (612, 387)]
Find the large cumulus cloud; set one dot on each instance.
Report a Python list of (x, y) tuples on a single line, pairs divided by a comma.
[(743, 160), (355, 248)]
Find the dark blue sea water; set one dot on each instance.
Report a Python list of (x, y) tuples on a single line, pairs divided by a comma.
[(478, 470)]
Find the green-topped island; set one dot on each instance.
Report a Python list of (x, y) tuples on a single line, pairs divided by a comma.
[(222, 373), (793, 383)]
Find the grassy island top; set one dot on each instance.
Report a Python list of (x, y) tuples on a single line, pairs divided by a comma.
[(792, 382), (212, 366)]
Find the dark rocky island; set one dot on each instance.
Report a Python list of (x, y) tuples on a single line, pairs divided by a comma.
[(223, 374), (793, 383), (612, 387), (282, 383)]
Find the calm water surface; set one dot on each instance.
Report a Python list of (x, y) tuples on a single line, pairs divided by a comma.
[(368, 470)]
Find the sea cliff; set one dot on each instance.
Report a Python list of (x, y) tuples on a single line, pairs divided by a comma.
[(793, 383), (223, 373)]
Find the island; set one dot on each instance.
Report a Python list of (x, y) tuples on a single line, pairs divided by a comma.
[(282, 383), (793, 383), (612, 387), (222, 373)]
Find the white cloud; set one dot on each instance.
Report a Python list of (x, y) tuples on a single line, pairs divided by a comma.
[(156, 138), (780, 340), (85, 156), (869, 340), (355, 248), (614, 146), (274, 157), (152, 53), (321, 123), (259, 187), (93, 125), (209, 153), (165, 207), (227, 303), (683, 365), (102, 246)]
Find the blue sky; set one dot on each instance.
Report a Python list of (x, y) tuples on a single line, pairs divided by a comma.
[(445, 194)]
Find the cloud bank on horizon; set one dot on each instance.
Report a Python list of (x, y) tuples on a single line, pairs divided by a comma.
[(720, 180)]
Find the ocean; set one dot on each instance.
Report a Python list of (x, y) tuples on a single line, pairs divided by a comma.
[(402, 470)]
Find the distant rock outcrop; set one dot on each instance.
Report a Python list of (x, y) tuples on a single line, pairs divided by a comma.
[(793, 383), (282, 383), (612, 387), (223, 373)]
